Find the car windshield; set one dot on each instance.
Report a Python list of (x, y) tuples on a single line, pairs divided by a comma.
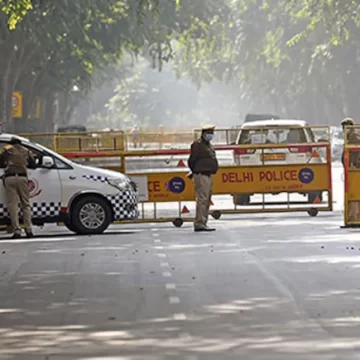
[(42, 148), (272, 136)]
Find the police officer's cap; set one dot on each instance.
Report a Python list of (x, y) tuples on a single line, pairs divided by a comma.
[(15, 140), (347, 121), (208, 128)]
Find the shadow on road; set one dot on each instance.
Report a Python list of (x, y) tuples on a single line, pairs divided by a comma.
[(285, 291)]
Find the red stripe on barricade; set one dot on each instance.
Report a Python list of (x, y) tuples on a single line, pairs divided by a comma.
[(178, 151)]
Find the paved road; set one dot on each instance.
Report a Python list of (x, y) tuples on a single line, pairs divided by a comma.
[(260, 288)]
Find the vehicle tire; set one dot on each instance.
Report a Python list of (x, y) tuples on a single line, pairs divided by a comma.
[(313, 195), (90, 215), (70, 226), (216, 214), (178, 222), (313, 212), (241, 199)]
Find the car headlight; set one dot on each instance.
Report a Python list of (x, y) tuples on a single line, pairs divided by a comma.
[(121, 184)]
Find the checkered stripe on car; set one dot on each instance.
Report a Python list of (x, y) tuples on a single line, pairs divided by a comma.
[(96, 178), (124, 205), (39, 210)]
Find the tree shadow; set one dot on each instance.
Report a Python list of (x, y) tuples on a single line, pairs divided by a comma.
[(268, 295)]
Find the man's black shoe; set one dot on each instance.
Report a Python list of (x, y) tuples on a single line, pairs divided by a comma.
[(205, 229), (29, 235), (16, 236)]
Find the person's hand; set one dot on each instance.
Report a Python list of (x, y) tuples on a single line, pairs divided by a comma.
[(190, 175)]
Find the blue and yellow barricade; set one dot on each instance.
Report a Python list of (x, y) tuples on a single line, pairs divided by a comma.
[(167, 194)]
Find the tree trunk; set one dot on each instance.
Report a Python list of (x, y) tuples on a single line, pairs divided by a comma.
[(50, 112), (5, 92)]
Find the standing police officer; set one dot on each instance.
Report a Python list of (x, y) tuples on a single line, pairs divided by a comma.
[(16, 159), (203, 164)]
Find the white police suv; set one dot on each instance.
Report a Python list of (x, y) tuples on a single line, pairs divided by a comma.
[(86, 199)]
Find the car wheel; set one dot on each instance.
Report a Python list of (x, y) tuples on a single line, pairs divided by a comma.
[(90, 215), (241, 200), (69, 225)]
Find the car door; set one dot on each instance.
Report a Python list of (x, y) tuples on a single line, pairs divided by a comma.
[(44, 188)]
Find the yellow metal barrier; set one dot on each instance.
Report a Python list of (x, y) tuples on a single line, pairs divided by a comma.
[(45, 139), (352, 176), (65, 143), (94, 141), (159, 141), (290, 170)]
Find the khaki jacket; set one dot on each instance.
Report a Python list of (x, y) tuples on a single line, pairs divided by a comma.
[(203, 158), (16, 159)]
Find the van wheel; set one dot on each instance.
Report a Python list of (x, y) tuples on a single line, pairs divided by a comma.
[(90, 215)]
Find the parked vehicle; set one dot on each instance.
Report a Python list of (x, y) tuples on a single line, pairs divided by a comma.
[(86, 199), (295, 133)]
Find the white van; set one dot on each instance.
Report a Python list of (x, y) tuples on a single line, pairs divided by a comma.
[(277, 132), (86, 199), (300, 150)]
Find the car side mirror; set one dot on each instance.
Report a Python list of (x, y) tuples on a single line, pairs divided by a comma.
[(47, 162)]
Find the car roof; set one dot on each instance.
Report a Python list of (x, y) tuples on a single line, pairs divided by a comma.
[(276, 122), (7, 137)]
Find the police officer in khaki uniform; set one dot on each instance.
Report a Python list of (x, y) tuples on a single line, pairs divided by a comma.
[(203, 165), (16, 158)]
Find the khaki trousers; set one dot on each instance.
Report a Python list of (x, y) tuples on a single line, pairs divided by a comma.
[(17, 191), (203, 190)]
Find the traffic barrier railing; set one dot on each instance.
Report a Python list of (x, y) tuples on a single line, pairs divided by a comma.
[(351, 176), (222, 136), (45, 139), (89, 141), (225, 136), (143, 140), (307, 175), (64, 143)]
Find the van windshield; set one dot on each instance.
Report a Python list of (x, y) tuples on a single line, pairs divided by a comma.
[(272, 136)]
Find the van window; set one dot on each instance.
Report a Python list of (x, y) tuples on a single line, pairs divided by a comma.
[(272, 136)]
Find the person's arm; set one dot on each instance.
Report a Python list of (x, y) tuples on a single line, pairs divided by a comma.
[(194, 156)]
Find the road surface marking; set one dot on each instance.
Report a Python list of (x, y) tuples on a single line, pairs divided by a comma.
[(170, 286), (179, 316), (161, 255), (174, 300), (155, 235), (159, 247), (157, 241), (164, 264), (166, 274)]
